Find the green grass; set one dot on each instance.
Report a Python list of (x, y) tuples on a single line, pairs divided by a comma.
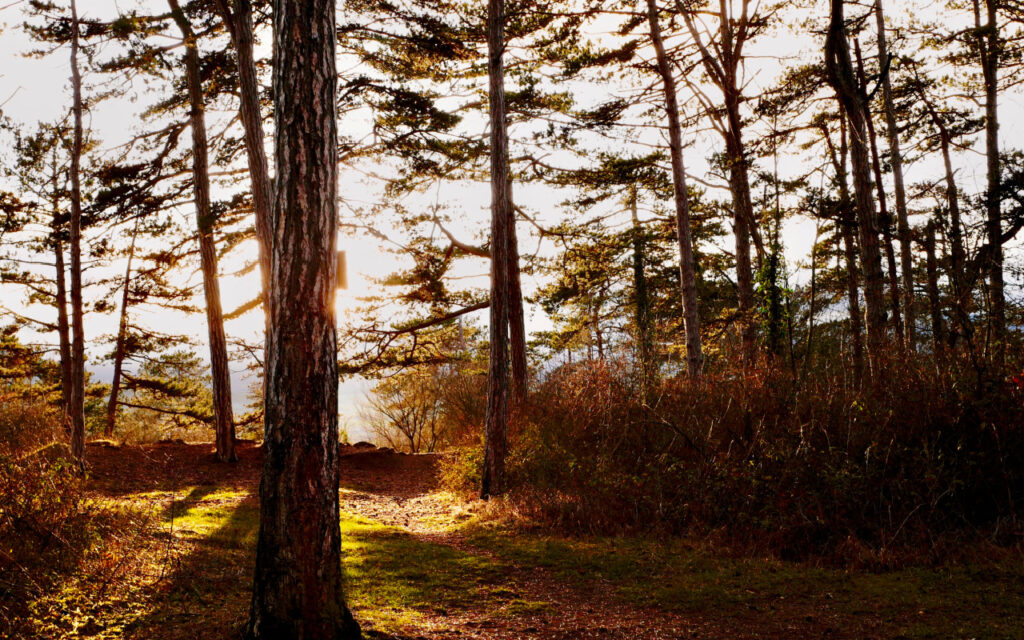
[(952, 602), (397, 581), (400, 583)]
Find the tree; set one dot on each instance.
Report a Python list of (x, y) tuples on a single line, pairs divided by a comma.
[(205, 220), (990, 50), (896, 161), (502, 218), (405, 411), (76, 399), (298, 587), (723, 62), (687, 276), (240, 26), (853, 98)]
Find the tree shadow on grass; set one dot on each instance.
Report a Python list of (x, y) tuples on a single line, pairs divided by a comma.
[(203, 577), (398, 586)]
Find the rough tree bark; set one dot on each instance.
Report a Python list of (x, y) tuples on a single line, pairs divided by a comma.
[(841, 75), (76, 399), (220, 372), (496, 422), (896, 160), (119, 345), (298, 584), (687, 274)]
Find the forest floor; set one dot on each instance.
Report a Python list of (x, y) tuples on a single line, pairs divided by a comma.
[(421, 564)]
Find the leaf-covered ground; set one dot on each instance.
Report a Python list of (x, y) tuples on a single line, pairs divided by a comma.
[(421, 564)]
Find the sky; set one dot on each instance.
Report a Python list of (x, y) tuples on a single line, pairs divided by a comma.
[(37, 89)]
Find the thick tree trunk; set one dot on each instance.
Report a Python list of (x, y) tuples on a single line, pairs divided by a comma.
[(989, 47), (896, 160), (76, 399), (220, 372), (239, 24), (298, 584), (934, 302), (687, 273), (496, 424), (119, 345), (841, 76)]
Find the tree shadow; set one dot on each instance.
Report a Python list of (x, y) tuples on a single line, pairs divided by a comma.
[(203, 582)]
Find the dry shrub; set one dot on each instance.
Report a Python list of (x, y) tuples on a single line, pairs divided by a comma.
[(799, 466), (47, 526)]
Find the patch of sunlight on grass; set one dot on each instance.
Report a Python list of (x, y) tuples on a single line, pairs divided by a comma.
[(397, 581), (679, 575)]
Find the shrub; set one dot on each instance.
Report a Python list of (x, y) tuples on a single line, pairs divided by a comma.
[(46, 524), (794, 465)]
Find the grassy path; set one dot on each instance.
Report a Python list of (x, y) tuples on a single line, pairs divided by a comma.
[(421, 565)]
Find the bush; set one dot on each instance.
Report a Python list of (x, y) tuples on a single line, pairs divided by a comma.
[(46, 523), (796, 466)]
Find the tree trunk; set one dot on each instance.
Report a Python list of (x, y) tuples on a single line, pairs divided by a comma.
[(842, 78), (76, 399), (239, 23), (495, 427), (896, 160), (642, 311), (813, 302), (220, 372), (938, 328), (884, 219), (853, 299), (298, 584), (846, 224), (722, 67), (739, 184), (687, 274), (63, 327), (119, 346), (516, 316), (958, 256), (989, 46)]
